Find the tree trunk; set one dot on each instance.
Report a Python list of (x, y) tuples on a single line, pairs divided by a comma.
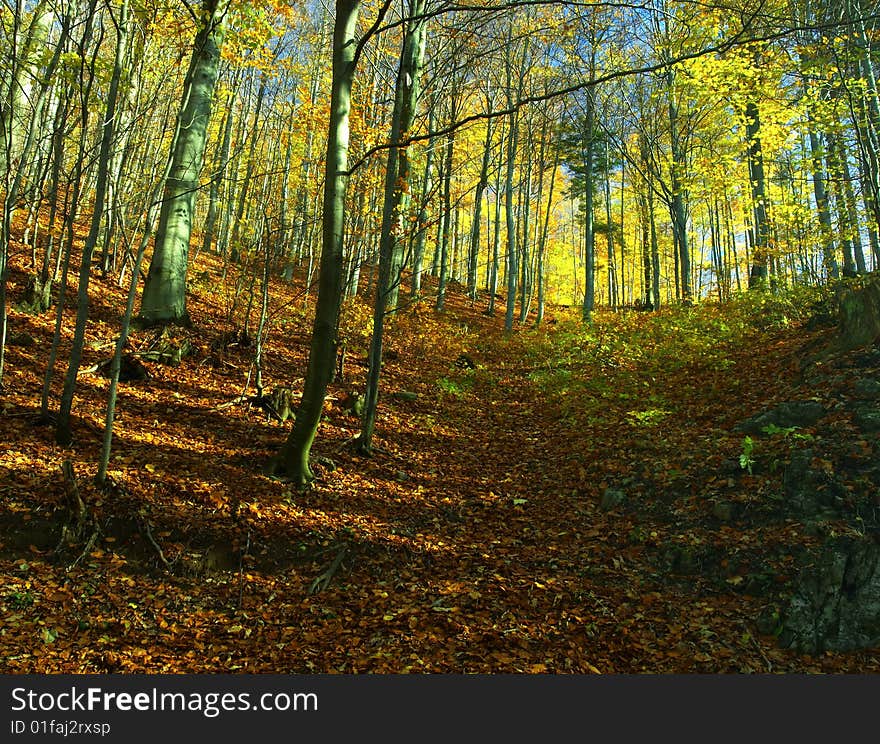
[(220, 162), (761, 236), (446, 233), (822, 207), (397, 177), (293, 459), (164, 296), (474, 253), (589, 231), (108, 136), (678, 196)]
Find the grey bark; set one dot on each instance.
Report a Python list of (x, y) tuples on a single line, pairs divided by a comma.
[(164, 296)]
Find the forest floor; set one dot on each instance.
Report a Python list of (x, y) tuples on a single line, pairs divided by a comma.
[(557, 500)]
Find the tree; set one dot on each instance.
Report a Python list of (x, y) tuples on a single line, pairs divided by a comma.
[(164, 295), (293, 458), (394, 212)]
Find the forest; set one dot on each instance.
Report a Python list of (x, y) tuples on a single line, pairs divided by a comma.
[(440, 336)]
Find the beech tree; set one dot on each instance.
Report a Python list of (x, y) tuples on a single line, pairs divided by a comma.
[(293, 458), (164, 296)]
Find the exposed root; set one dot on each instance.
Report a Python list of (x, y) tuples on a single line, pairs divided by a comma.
[(146, 529), (80, 519), (322, 581)]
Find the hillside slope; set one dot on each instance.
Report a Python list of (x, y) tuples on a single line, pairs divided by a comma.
[(553, 501)]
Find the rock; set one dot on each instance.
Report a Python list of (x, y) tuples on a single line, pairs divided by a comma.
[(836, 602), (867, 387), (810, 491), (859, 314), (724, 510), (611, 498), (25, 340), (786, 415), (405, 395), (867, 418)]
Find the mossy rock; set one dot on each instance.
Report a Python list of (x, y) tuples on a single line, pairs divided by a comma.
[(859, 314), (168, 349), (836, 601), (37, 297)]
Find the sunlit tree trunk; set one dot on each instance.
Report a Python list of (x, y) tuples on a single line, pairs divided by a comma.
[(496, 231), (822, 206), (164, 296), (250, 163), (420, 238), (589, 227), (849, 218), (542, 244), (446, 234), (612, 261), (220, 162), (678, 196)]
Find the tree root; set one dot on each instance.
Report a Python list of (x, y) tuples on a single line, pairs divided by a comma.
[(80, 519), (322, 581), (90, 543), (146, 529)]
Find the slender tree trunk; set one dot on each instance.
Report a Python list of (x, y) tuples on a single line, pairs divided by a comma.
[(655, 251), (511, 227), (612, 265), (678, 196), (446, 234), (589, 230), (397, 178), (542, 245), (421, 235), (293, 459), (250, 163), (474, 253), (758, 272), (108, 136), (525, 212), (849, 219), (220, 162), (496, 233), (822, 206)]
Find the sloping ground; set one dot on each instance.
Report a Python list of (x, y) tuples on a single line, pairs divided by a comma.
[(550, 502)]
